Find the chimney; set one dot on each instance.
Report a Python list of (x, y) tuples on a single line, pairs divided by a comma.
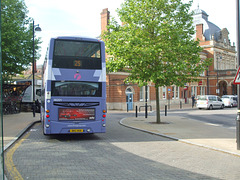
[(105, 15), (199, 32)]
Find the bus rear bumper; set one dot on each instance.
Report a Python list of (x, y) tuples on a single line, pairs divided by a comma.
[(75, 128)]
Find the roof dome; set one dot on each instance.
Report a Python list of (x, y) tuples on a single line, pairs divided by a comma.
[(210, 30), (200, 11)]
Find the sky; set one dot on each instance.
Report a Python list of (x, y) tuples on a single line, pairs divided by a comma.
[(82, 17)]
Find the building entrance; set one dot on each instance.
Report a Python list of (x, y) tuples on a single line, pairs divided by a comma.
[(129, 99), (223, 88)]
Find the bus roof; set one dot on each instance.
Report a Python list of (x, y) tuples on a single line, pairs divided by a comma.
[(78, 38)]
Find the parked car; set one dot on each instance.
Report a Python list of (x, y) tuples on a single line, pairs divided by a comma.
[(209, 102), (229, 100)]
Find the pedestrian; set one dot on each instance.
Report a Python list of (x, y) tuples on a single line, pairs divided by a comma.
[(193, 100)]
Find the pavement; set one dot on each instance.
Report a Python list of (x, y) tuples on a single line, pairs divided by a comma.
[(187, 131), (14, 126), (174, 127)]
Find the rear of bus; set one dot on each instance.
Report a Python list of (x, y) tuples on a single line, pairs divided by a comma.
[(74, 87)]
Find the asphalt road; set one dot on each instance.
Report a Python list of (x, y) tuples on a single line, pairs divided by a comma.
[(121, 153), (224, 117)]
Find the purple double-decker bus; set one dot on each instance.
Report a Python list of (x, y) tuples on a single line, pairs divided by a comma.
[(74, 86)]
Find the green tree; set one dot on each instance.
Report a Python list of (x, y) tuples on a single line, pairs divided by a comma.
[(17, 38), (155, 44)]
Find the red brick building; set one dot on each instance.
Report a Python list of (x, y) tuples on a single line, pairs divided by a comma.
[(218, 80)]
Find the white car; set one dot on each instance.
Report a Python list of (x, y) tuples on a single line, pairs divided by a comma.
[(209, 102), (229, 100)]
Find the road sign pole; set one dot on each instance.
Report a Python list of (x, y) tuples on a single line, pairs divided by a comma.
[(238, 89)]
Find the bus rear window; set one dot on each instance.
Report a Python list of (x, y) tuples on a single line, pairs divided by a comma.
[(76, 54), (80, 89)]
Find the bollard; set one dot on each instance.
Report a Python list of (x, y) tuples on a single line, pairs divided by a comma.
[(136, 112), (165, 110), (127, 107), (180, 104), (146, 113)]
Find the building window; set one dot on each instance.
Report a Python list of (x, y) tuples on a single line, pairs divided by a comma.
[(141, 93), (202, 74), (225, 41), (177, 92), (173, 92), (164, 92), (194, 90), (147, 92), (202, 90)]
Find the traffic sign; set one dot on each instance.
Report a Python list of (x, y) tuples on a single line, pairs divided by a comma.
[(237, 78)]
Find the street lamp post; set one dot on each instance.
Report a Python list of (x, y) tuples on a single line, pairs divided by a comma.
[(217, 78), (35, 28), (238, 57)]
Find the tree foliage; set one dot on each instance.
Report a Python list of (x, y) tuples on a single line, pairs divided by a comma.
[(17, 38), (155, 43)]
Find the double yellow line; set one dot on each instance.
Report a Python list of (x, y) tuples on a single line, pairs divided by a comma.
[(10, 166)]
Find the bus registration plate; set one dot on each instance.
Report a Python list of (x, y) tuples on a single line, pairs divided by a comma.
[(76, 130)]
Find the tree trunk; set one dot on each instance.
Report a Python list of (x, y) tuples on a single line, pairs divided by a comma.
[(157, 106)]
